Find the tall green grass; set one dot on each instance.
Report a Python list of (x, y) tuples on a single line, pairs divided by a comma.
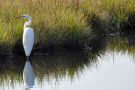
[(58, 23)]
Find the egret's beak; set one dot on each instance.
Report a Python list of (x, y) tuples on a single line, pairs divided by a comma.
[(19, 17)]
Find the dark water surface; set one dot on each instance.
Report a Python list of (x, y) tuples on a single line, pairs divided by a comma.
[(112, 68)]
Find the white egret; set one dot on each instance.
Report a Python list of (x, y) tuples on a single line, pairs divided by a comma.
[(28, 36)]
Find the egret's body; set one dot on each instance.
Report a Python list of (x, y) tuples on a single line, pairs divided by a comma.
[(28, 36), (28, 40)]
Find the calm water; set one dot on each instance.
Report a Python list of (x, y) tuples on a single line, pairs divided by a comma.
[(111, 71), (111, 68)]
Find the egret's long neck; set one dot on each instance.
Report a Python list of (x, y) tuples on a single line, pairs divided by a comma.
[(28, 22)]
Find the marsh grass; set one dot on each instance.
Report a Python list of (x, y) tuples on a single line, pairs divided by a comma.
[(59, 23)]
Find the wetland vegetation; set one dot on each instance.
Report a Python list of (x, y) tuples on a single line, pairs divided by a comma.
[(70, 36), (69, 24)]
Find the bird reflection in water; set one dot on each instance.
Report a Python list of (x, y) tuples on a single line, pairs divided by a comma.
[(27, 88), (28, 75)]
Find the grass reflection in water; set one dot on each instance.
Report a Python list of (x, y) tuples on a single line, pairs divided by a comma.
[(56, 65)]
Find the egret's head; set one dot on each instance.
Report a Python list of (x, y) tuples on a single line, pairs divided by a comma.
[(25, 16)]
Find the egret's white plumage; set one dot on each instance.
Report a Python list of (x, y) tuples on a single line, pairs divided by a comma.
[(28, 40), (28, 36)]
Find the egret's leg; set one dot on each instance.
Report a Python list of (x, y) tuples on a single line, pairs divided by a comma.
[(27, 58)]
